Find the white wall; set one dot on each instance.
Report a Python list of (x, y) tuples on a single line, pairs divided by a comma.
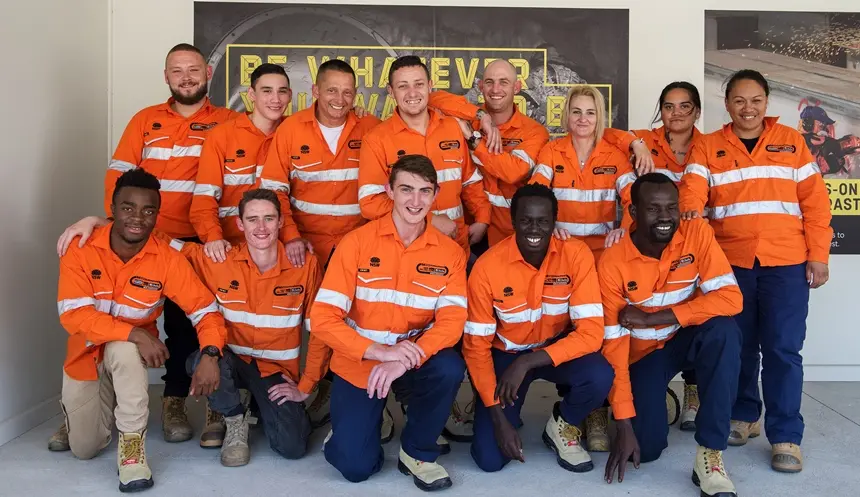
[(55, 146)]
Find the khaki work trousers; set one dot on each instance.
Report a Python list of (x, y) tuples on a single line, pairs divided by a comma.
[(120, 393)]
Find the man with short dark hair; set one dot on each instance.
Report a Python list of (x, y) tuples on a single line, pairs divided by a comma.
[(391, 306), (166, 140), (264, 299), (111, 292), (415, 129), (534, 313), (668, 296)]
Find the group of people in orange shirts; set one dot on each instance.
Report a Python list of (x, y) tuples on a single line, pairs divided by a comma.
[(245, 230)]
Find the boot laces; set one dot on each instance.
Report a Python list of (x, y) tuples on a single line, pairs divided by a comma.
[(569, 433), (174, 411), (691, 398), (132, 451), (213, 417), (235, 432), (714, 462), (596, 421)]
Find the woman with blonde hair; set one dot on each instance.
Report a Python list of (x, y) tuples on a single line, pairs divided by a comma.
[(588, 175)]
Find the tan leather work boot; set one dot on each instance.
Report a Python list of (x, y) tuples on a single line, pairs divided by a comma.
[(134, 472), (213, 433), (174, 420), (235, 450), (596, 424), (709, 474), (427, 476), (59, 441), (690, 409), (786, 458), (742, 431), (565, 440)]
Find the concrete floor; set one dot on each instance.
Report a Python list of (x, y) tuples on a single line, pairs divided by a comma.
[(831, 410)]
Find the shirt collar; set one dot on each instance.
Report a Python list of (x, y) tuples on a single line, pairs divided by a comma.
[(101, 239), (206, 108), (430, 236), (514, 254), (244, 255), (632, 253)]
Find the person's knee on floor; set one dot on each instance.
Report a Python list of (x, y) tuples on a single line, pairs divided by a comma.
[(290, 437)]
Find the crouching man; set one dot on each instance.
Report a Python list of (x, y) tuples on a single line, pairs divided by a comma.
[(111, 291)]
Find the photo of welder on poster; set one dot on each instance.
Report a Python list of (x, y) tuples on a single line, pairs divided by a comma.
[(812, 63)]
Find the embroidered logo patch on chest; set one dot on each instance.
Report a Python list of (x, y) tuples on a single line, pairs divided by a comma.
[(145, 283), (424, 268)]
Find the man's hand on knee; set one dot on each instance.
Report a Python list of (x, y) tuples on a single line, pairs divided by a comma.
[(382, 376), (152, 351), (287, 391)]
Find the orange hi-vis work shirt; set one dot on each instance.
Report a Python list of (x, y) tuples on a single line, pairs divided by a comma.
[(522, 140), (664, 158), (317, 189), (265, 312), (376, 291), (443, 143), (771, 205), (692, 277), (230, 164), (587, 196), (100, 298), (515, 307), (167, 145)]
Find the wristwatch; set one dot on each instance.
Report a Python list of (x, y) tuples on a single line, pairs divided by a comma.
[(473, 140), (211, 351)]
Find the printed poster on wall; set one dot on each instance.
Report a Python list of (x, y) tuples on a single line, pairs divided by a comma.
[(552, 50), (812, 62)]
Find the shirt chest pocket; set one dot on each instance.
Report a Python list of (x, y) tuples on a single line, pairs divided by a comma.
[(241, 169), (679, 287), (141, 299)]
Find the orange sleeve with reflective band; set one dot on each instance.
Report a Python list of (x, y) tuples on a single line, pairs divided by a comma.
[(616, 340), (127, 156), (693, 190), (624, 192), (453, 105), (815, 205), (543, 170), (449, 319), (372, 176), (584, 309), (189, 293), (477, 346), (76, 303), (515, 166), (319, 354), (327, 320), (720, 295), (276, 176), (619, 139), (473, 196), (210, 173)]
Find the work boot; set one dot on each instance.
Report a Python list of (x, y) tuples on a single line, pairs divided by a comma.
[(565, 440), (710, 475), (595, 430), (786, 458), (459, 426), (742, 431), (319, 410), (691, 408), (174, 420), (428, 476), (235, 451), (59, 441), (134, 472), (387, 431), (213, 433)]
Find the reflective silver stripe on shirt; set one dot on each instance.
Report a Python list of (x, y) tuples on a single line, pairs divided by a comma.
[(451, 300), (272, 355), (759, 207), (718, 282), (260, 320), (329, 175), (480, 329), (368, 190), (121, 165), (584, 311), (663, 299), (178, 186), (675, 177), (208, 190), (453, 213), (523, 156), (585, 229), (624, 180), (699, 170), (270, 184), (544, 171), (450, 174), (387, 295), (228, 211), (577, 195), (751, 173), (325, 209), (109, 307), (532, 315), (475, 178), (198, 315), (177, 244), (807, 170), (385, 337), (516, 347), (336, 299), (239, 179), (653, 333), (615, 331), (498, 200)]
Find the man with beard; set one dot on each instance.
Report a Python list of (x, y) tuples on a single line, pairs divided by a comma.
[(668, 296), (166, 140), (110, 294), (534, 313)]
